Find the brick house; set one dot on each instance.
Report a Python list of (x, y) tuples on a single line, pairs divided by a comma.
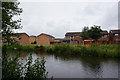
[(22, 38), (55, 40), (105, 37), (44, 39), (32, 39), (75, 37), (114, 36)]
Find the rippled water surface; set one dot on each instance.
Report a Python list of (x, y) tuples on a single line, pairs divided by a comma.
[(78, 67)]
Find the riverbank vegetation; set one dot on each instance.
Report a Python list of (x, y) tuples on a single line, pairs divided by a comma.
[(18, 47), (98, 50), (12, 67)]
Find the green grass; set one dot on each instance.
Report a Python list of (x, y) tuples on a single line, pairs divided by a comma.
[(84, 50), (19, 47), (65, 49)]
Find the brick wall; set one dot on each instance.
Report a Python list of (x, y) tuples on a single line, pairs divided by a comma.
[(24, 39), (43, 39), (75, 40), (113, 38), (104, 40), (32, 39)]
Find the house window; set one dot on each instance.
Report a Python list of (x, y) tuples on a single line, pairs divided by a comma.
[(71, 36), (117, 41), (116, 34), (77, 36), (19, 38), (105, 36), (67, 36)]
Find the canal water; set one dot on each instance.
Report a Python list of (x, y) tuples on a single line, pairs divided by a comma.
[(77, 67)]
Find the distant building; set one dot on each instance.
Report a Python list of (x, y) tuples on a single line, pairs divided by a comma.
[(56, 40), (105, 37), (32, 40), (87, 42), (75, 37), (114, 36), (22, 38), (44, 39)]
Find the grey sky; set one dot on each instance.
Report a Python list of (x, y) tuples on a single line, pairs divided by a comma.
[(57, 18)]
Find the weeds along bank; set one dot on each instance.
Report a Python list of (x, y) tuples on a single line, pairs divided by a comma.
[(65, 49), (84, 50), (18, 47)]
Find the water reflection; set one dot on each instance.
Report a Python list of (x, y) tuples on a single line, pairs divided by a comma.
[(96, 67), (77, 67)]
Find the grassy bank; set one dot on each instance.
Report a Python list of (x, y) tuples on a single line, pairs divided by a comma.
[(19, 47), (84, 50), (65, 49)]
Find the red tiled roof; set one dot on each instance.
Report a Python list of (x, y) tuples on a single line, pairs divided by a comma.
[(104, 39), (77, 39)]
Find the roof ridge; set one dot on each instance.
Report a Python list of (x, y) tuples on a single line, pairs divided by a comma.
[(47, 35)]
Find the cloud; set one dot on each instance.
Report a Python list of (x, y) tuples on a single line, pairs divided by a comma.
[(68, 0), (57, 18), (109, 20), (119, 15)]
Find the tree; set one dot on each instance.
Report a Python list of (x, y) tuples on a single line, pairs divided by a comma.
[(95, 32), (84, 33), (9, 10)]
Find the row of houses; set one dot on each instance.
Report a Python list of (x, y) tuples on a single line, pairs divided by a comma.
[(113, 37), (70, 37), (24, 38)]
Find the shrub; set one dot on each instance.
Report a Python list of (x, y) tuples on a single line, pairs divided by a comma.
[(12, 68)]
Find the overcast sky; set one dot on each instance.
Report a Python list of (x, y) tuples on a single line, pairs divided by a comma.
[(57, 18)]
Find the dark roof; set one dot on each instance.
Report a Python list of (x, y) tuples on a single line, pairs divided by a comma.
[(115, 31), (63, 39), (47, 35), (73, 34), (104, 32), (59, 38)]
